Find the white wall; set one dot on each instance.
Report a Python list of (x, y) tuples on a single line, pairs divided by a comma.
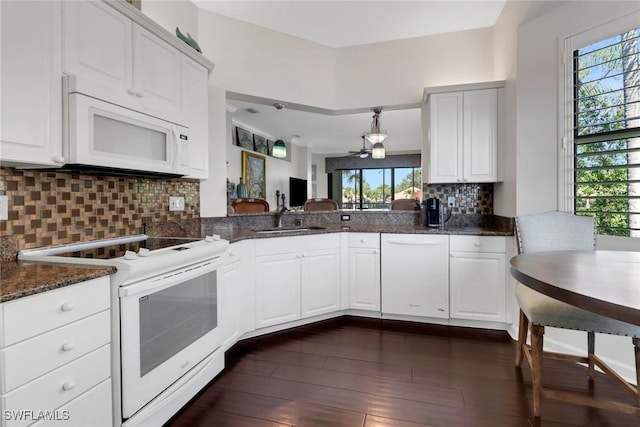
[(322, 188), (396, 72), (260, 62)]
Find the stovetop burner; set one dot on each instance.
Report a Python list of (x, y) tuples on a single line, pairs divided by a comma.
[(115, 251)]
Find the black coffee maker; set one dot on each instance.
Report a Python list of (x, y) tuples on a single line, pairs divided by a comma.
[(431, 212)]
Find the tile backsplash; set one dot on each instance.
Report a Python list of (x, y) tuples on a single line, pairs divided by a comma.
[(470, 198), (51, 208)]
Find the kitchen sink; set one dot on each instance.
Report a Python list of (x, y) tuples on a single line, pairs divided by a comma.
[(280, 230)]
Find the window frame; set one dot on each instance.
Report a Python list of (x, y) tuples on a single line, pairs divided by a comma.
[(359, 187), (567, 101)]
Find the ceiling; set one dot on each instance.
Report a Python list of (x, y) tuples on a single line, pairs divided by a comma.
[(348, 23), (339, 24)]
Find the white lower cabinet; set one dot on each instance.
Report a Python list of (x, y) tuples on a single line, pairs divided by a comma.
[(55, 357), (478, 278), (364, 271), (320, 285), (295, 277), (415, 274), (229, 293), (277, 289)]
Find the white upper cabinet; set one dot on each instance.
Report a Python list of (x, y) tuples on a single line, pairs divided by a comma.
[(195, 107), (461, 134), (116, 60), (30, 84)]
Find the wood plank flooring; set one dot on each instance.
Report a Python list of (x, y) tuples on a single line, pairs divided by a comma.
[(354, 372)]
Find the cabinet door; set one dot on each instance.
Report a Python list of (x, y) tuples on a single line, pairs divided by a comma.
[(415, 275), (195, 106), (156, 75), (30, 83), (478, 286), (446, 137), (97, 49), (320, 282), (364, 279), (277, 289), (230, 302), (480, 136)]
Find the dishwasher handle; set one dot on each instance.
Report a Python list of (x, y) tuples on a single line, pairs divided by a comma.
[(414, 243)]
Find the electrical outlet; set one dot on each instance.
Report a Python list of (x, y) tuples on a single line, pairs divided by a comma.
[(345, 217), (176, 203), (451, 201), (4, 207)]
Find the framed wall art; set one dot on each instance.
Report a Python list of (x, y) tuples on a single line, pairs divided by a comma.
[(244, 138), (260, 144), (254, 174)]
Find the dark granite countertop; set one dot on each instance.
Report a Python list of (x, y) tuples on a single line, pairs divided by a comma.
[(235, 234), (21, 278)]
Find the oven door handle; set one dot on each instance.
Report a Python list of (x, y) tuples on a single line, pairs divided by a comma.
[(154, 285)]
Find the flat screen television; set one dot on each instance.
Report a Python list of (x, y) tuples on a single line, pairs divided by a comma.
[(297, 191)]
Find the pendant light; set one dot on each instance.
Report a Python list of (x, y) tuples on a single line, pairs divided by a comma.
[(279, 149), (378, 151), (376, 135)]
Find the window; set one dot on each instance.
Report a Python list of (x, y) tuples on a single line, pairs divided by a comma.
[(372, 188), (606, 133)]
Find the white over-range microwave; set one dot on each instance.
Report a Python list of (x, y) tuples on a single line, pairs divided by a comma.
[(101, 135)]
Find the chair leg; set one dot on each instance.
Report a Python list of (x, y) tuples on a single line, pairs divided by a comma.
[(636, 348), (523, 328), (537, 337), (591, 349)]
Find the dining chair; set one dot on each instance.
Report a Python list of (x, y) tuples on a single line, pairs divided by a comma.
[(557, 231), (250, 205), (318, 204), (405, 205)]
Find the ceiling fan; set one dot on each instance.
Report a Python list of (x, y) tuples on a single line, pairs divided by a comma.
[(363, 153)]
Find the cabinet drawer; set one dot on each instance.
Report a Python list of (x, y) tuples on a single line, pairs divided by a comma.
[(56, 388), (364, 240), (35, 357), (477, 244), (33, 315), (92, 408)]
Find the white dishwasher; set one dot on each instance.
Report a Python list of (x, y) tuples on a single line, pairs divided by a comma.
[(415, 274)]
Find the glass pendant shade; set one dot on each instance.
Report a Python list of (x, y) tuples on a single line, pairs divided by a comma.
[(279, 149), (376, 135), (376, 138), (378, 151)]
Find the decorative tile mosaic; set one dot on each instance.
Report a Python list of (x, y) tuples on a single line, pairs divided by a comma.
[(470, 198), (51, 208)]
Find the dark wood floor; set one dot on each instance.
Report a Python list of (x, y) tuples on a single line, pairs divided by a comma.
[(355, 372)]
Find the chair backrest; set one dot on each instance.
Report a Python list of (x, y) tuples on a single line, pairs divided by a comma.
[(555, 231), (320, 205), (250, 205), (405, 205)]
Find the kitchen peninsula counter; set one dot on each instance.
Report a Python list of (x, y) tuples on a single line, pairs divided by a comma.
[(23, 278), (240, 227)]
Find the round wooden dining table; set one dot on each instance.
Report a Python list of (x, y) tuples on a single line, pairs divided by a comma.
[(603, 282)]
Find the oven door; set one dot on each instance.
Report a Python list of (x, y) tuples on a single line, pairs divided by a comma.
[(168, 324)]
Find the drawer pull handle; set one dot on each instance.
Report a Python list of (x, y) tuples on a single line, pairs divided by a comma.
[(67, 306), (184, 365), (68, 346), (414, 305), (68, 385), (476, 244), (361, 240)]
